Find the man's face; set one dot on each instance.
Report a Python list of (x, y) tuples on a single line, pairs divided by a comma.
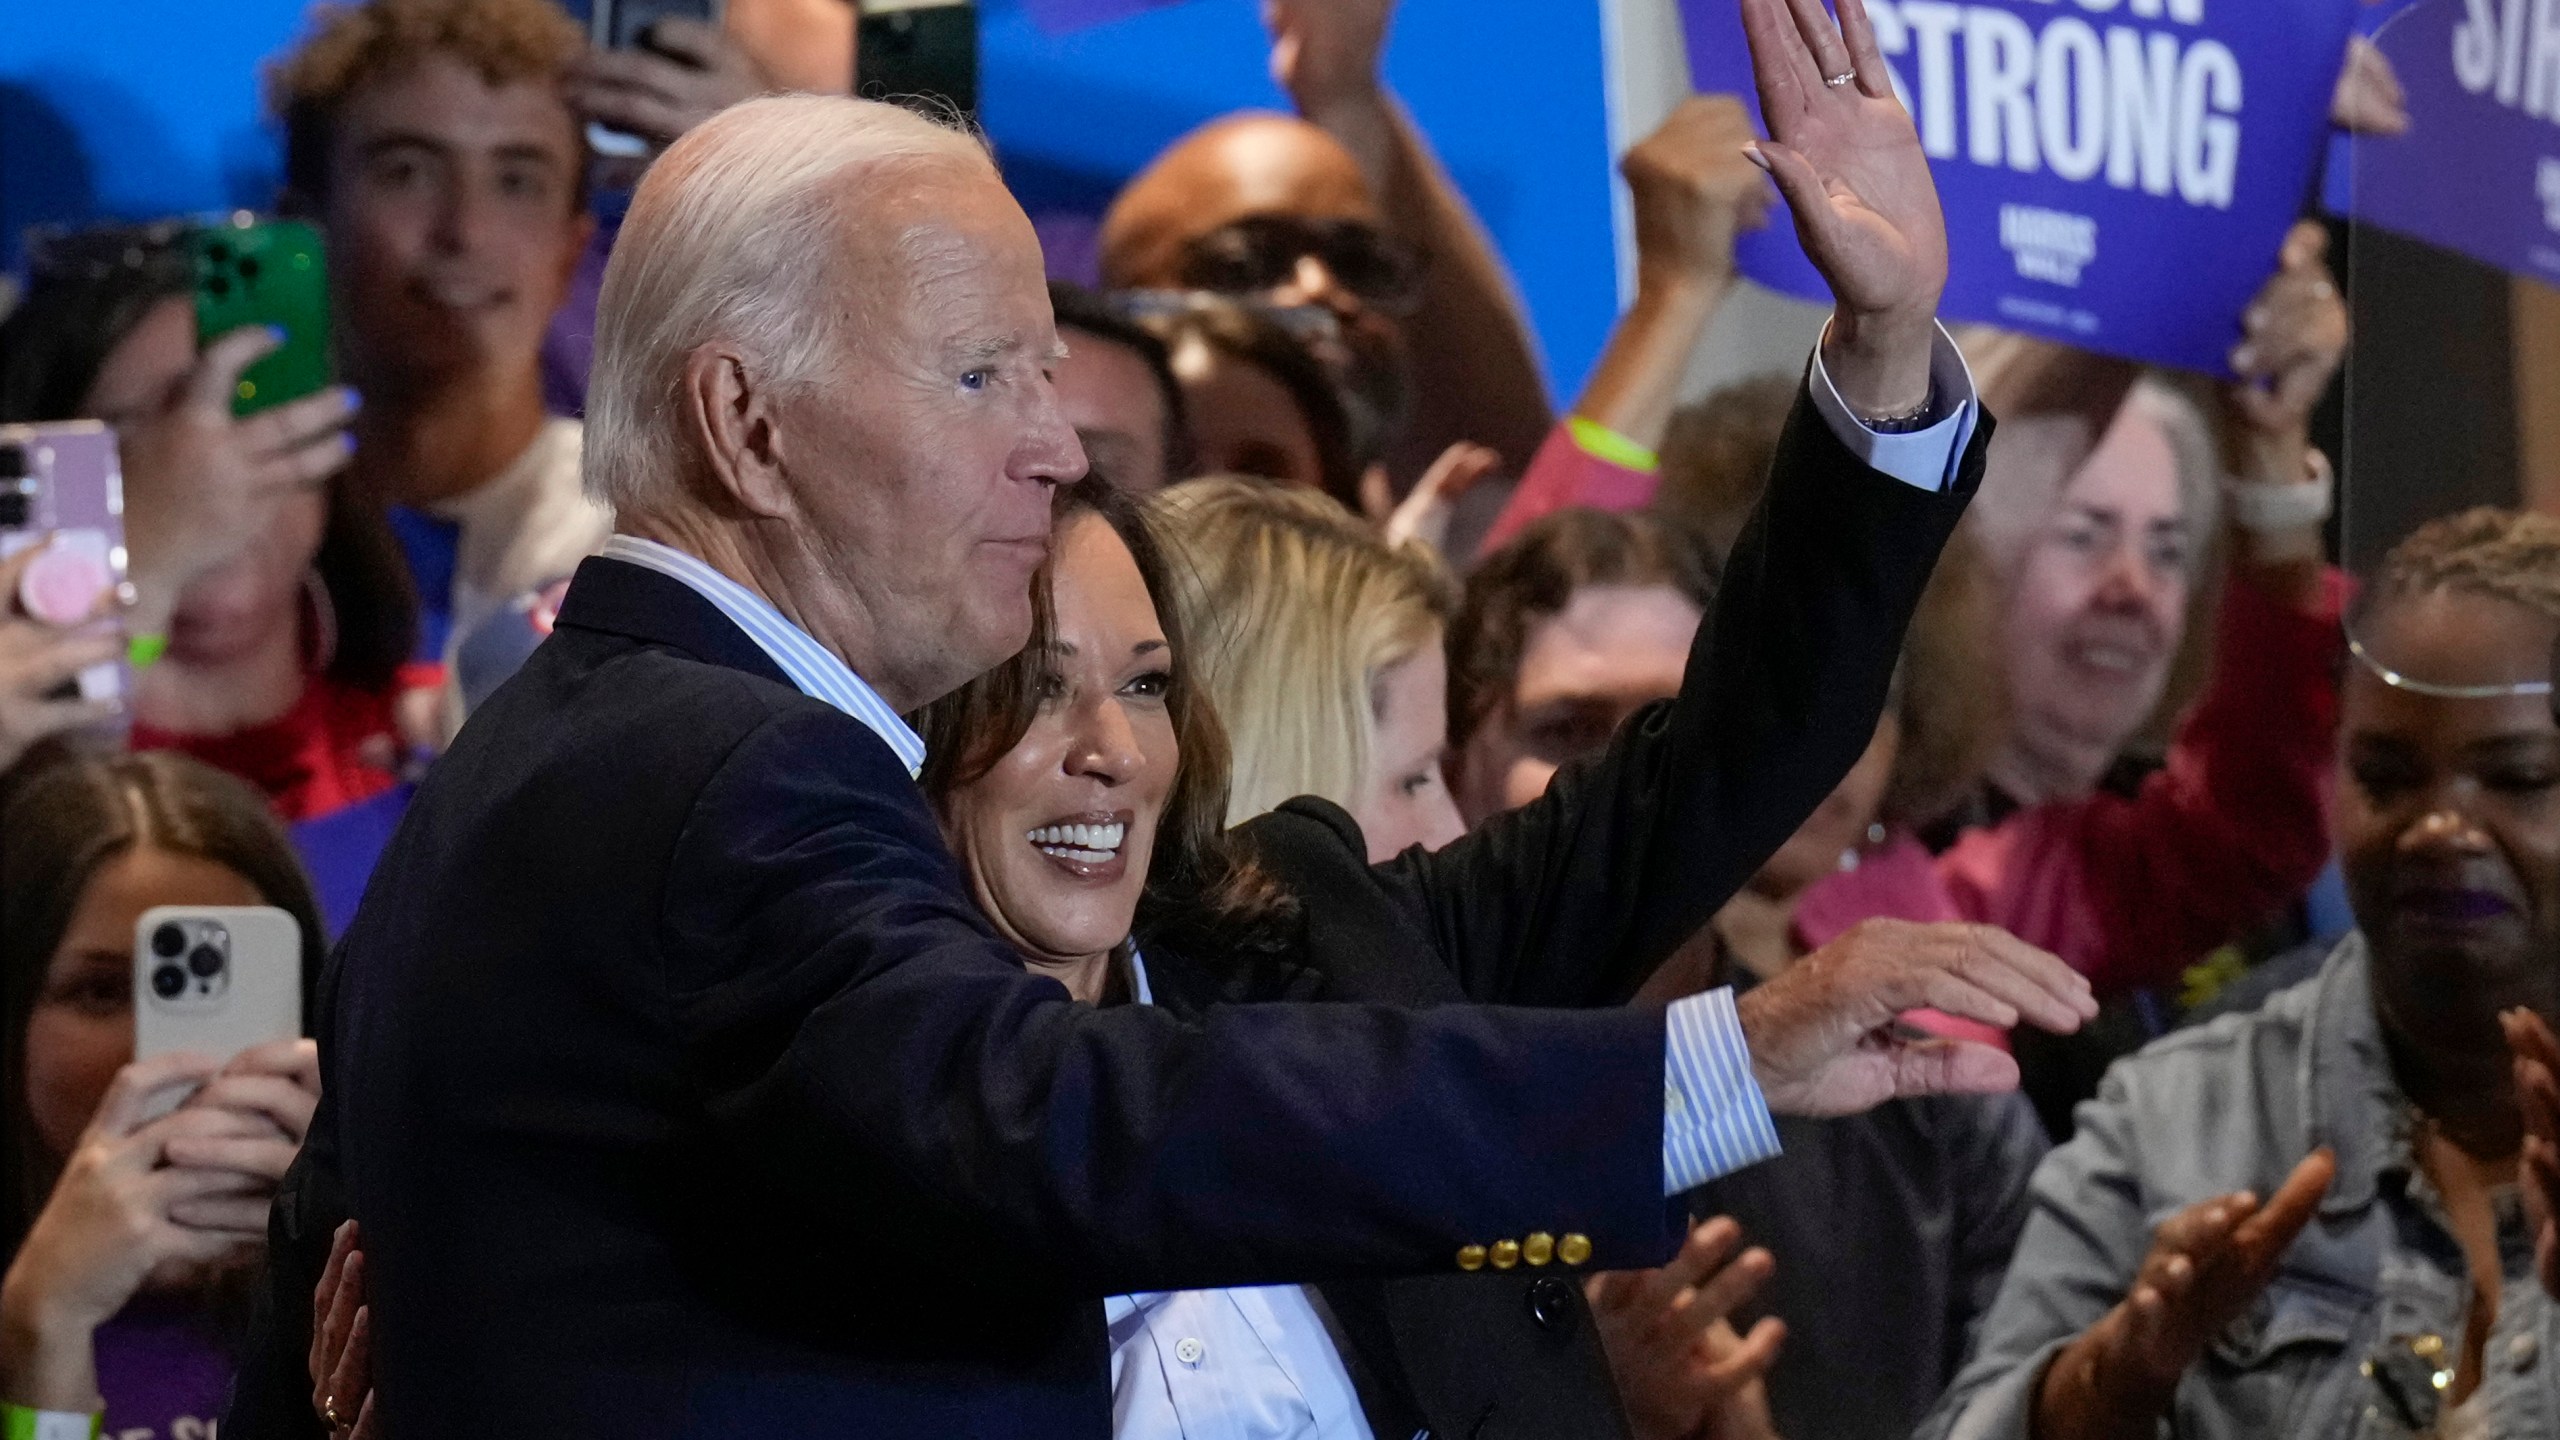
[(2100, 605), (1583, 671), (453, 222), (1271, 208), (921, 467), (1110, 395)]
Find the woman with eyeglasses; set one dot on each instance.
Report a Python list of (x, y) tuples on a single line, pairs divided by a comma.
[(2304, 1221)]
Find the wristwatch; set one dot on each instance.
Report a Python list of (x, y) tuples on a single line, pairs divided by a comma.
[(1909, 422)]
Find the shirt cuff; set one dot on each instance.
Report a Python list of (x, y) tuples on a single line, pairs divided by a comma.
[(1927, 458), (1714, 1119)]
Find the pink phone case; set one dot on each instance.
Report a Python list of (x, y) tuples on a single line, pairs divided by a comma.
[(62, 487)]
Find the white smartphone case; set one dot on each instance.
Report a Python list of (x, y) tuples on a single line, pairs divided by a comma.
[(232, 979)]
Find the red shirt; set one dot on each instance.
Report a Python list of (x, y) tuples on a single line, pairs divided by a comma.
[(336, 746)]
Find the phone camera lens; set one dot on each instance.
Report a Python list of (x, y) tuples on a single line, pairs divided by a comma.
[(168, 982), (13, 462), (217, 287), (217, 251), (169, 941), (14, 510), (248, 267), (205, 961)]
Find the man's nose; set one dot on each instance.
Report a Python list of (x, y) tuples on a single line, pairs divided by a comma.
[(462, 213), (1050, 449), (1312, 282)]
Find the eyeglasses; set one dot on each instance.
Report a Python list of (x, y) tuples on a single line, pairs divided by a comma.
[(1306, 324), (1261, 252)]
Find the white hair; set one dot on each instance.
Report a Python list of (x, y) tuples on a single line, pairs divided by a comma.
[(734, 235)]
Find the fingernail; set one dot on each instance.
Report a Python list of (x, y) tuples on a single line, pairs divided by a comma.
[(277, 334), (346, 443), (2244, 357), (1751, 152), (355, 397)]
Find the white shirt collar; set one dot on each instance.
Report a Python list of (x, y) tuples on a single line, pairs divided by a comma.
[(811, 667)]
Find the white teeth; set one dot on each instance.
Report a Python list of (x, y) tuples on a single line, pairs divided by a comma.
[(1092, 844)]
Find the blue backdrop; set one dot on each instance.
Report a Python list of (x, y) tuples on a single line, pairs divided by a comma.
[(132, 108)]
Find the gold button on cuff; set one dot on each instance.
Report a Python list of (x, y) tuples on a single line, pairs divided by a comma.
[(1470, 1257), (1539, 1248), (1574, 1249), (1506, 1253)]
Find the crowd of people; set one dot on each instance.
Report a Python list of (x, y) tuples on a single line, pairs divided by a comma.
[(885, 843)]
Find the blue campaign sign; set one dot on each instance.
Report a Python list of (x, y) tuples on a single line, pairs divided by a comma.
[(2478, 172), (2117, 174)]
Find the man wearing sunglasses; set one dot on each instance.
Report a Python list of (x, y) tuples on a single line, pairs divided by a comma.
[(1346, 210)]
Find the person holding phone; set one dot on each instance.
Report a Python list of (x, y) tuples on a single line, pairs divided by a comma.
[(272, 618), (131, 1226)]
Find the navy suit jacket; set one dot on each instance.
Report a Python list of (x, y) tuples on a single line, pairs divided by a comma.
[(681, 1089)]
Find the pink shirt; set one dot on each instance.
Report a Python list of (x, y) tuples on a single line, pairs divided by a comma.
[(2131, 890)]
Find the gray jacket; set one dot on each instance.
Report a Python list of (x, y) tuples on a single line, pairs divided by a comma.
[(2235, 1105)]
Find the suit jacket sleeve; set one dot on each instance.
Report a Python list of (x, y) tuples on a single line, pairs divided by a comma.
[(1577, 897), (867, 1048)]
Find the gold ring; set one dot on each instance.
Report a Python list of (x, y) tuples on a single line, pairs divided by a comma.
[(329, 1414)]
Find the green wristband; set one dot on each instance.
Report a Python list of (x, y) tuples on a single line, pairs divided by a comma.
[(17, 1422), (142, 652), (1602, 443)]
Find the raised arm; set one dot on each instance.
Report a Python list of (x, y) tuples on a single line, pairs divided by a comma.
[(1475, 375), (1694, 191), (1578, 896)]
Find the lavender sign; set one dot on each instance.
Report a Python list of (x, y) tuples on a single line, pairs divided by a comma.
[(2117, 174), (2479, 171)]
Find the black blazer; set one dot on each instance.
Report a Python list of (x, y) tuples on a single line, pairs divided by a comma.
[(1576, 899), (682, 1091)]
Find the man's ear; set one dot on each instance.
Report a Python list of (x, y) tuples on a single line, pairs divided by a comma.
[(733, 422)]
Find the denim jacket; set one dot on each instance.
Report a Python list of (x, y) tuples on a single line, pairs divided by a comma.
[(2376, 1276)]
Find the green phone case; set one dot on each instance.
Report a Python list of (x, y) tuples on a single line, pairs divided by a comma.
[(266, 272)]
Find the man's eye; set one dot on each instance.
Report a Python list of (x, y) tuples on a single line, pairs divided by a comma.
[(2522, 780), (2383, 781), (977, 379)]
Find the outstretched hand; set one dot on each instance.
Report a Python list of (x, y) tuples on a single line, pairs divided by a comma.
[(1682, 1369), (1825, 1037), (1849, 162)]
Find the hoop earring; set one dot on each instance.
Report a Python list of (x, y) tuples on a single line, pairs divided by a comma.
[(323, 611)]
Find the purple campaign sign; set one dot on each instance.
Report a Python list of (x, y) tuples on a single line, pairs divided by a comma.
[(2479, 171), (2117, 174)]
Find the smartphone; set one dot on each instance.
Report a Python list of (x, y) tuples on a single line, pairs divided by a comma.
[(215, 979), (919, 49), (64, 481), (624, 25), (266, 272)]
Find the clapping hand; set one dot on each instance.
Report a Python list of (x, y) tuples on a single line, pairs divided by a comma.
[(1325, 52), (1681, 1368), (2295, 337), (2207, 1266), (1825, 1036), (1849, 162), (2537, 1069)]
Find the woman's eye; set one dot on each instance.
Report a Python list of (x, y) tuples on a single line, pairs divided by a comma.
[(97, 995), (1049, 688), (1154, 685), (1417, 782), (2382, 781), (2522, 781)]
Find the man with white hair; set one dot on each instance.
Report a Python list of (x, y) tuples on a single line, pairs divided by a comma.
[(677, 1082)]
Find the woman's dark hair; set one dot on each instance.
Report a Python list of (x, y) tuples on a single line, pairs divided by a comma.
[(86, 293), (1258, 336), (1202, 890), (66, 814)]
